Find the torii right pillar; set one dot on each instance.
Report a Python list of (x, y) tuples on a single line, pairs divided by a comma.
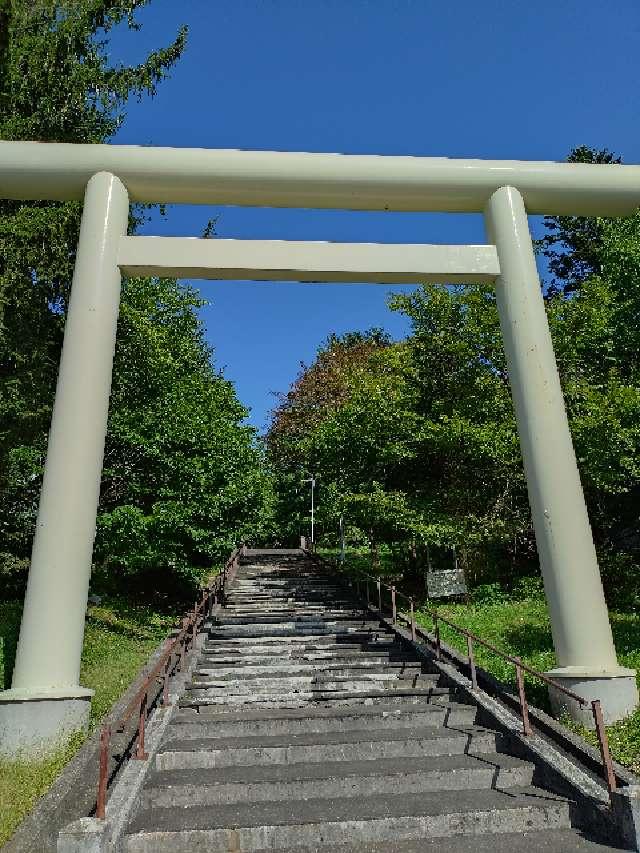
[(585, 653)]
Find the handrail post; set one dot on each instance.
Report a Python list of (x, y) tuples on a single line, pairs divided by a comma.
[(379, 597), (165, 683), (524, 709), (393, 604), (194, 630), (436, 631), (368, 597), (609, 774), (103, 777), (472, 664), (413, 621), (141, 755)]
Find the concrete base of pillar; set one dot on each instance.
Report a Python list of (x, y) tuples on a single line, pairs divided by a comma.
[(617, 691), (34, 724)]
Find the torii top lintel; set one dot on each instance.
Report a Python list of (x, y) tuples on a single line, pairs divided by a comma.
[(42, 170)]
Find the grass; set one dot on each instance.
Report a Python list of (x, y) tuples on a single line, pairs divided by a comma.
[(119, 638), (517, 622), (519, 625)]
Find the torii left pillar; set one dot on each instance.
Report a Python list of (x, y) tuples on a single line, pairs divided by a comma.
[(46, 703)]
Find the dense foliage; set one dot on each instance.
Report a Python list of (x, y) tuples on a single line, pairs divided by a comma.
[(416, 441), (183, 477)]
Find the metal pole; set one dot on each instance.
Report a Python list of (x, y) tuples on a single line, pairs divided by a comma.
[(56, 597), (313, 538), (584, 647), (524, 709), (165, 682), (609, 773), (103, 777), (472, 664), (342, 554), (141, 755)]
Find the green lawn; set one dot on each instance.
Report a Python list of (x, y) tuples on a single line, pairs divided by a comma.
[(118, 640)]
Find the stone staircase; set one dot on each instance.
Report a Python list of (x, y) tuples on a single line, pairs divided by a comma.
[(309, 726)]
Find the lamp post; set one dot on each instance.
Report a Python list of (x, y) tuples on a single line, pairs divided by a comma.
[(312, 479)]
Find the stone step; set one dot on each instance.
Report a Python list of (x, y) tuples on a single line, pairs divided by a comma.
[(275, 593), (259, 580), (319, 682), (345, 698), (303, 657), (379, 818), (541, 841), (182, 754), (303, 623), (319, 617), (291, 608), (304, 587), (307, 632), (209, 723), (293, 645), (354, 667), (340, 779), (292, 598)]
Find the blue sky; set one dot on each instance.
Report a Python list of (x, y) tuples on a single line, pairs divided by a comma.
[(496, 79)]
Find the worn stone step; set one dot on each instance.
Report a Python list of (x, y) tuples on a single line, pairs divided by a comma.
[(315, 682), (320, 617), (372, 640), (338, 779), (181, 754), (354, 667), (277, 825), (336, 698), (190, 724), (303, 657), (293, 645), (294, 599), (276, 626), (306, 594), (540, 841), (351, 669), (292, 630), (289, 611)]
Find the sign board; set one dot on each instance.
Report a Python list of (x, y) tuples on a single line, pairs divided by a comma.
[(445, 583)]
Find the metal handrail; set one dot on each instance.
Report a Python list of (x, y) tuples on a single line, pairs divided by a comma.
[(596, 707), (169, 663)]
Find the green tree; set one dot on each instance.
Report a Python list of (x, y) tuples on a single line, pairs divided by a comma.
[(183, 478), (419, 443), (56, 84), (183, 475), (572, 244)]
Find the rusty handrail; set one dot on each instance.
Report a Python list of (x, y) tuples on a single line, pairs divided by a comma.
[(471, 638), (168, 664)]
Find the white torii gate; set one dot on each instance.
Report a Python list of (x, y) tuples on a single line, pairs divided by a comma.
[(46, 702)]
